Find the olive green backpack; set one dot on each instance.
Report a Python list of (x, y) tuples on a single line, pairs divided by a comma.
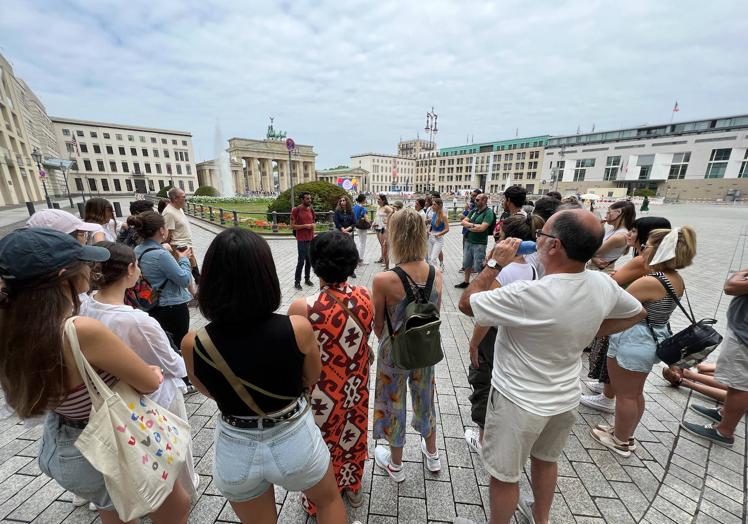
[(418, 343)]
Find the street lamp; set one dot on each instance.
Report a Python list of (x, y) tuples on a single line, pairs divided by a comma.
[(431, 129), (37, 156)]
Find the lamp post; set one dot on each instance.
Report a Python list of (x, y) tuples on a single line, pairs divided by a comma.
[(37, 156), (431, 129), (290, 145)]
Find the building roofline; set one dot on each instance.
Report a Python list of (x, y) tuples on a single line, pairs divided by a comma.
[(379, 154), (496, 142), (334, 170), (669, 129), (93, 123)]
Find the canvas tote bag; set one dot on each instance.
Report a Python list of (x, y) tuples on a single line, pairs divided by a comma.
[(138, 446)]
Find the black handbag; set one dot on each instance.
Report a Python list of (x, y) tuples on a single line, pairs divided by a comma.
[(691, 345)]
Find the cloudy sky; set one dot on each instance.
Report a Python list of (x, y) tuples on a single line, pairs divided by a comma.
[(355, 76)]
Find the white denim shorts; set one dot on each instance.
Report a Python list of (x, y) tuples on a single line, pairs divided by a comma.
[(247, 462)]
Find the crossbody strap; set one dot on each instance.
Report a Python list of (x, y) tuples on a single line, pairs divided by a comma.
[(166, 281), (240, 386), (692, 317)]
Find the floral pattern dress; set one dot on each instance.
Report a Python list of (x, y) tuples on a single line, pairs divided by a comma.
[(340, 400)]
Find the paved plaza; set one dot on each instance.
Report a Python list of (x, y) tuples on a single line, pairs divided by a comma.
[(672, 476)]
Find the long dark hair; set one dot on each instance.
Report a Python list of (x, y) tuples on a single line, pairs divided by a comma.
[(32, 314), (238, 281)]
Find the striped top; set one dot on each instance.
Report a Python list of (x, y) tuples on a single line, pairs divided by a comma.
[(77, 404), (659, 311)]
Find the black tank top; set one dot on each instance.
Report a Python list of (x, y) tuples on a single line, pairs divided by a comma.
[(264, 354)]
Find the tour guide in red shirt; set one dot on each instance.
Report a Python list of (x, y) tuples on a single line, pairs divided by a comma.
[(302, 222)]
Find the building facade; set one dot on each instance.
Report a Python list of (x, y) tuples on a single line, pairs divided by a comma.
[(265, 163), (491, 166), (355, 180), (387, 173), (696, 160), (19, 176), (115, 159)]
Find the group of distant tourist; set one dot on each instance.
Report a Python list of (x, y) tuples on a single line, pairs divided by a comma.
[(110, 302)]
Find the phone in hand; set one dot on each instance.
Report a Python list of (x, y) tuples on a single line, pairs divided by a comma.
[(182, 249)]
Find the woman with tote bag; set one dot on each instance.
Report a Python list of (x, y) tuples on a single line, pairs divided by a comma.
[(43, 271)]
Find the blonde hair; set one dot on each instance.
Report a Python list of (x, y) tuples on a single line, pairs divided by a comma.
[(685, 249), (442, 216), (407, 236)]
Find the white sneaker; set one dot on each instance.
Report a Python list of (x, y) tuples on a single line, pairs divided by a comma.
[(382, 459), (79, 501), (599, 402), (609, 429), (594, 386), (472, 437), (525, 507), (433, 464)]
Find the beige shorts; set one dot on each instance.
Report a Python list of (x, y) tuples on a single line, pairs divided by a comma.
[(512, 435)]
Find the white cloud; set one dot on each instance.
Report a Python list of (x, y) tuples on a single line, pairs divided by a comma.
[(355, 76)]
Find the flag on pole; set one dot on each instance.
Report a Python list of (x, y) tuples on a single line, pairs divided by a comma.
[(675, 107), (75, 146)]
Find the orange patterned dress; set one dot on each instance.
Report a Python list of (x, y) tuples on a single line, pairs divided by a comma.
[(340, 400)]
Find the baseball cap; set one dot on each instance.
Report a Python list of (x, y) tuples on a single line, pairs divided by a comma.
[(32, 252), (60, 220)]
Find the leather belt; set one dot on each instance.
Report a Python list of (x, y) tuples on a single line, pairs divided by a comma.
[(72, 423), (262, 422)]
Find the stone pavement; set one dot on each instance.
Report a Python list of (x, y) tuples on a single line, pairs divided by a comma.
[(672, 477)]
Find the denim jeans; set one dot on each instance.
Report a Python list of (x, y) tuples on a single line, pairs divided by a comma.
[(303, 260)]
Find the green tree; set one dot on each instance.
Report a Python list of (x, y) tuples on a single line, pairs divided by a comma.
[(208, 191), (325, 197), (644, 193), (162, 193)]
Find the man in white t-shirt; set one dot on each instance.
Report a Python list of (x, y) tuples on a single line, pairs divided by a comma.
[(543, 326), (180, 234)]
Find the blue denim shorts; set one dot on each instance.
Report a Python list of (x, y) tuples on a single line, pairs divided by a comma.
[(247, 462), (473, 256), (61, 460), (635, 349)]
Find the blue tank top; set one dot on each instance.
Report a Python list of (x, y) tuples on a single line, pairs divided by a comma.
[(434, 227)]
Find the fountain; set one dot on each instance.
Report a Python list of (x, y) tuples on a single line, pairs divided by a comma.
[(223, 166)]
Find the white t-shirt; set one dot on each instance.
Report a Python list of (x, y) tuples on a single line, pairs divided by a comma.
[(145, 337), (543, 326), (516, 271), (176, 220), (533, 259)]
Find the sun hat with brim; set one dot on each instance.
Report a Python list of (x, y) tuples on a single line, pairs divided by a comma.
[(33, 252), (60, 220)]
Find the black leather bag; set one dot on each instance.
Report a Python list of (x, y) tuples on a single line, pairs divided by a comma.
[(691, 345)]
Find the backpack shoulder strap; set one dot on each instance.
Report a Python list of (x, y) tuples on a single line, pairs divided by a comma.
[(147, 251), (404, 277), (426, 291), (166, 281)]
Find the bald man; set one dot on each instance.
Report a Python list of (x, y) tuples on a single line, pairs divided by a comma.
[(543, 326)]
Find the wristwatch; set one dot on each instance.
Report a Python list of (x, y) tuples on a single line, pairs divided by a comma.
[(493, 264)]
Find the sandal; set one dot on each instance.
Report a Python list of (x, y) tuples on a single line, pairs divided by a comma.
[(671, 376)]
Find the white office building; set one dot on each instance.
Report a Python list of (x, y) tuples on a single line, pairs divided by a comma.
[(116, 159), (697, 160)]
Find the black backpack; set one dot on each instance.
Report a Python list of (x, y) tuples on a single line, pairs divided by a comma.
[(418, 343)]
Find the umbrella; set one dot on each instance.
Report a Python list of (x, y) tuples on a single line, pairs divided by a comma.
[(590, 196)]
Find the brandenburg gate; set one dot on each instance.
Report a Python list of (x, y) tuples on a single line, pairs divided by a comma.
[(265, 162)]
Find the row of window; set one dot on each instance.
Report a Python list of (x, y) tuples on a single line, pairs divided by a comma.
[(118, 136), (492, 147), (180, 155), (100, 167), (716, 166), (93, 185)]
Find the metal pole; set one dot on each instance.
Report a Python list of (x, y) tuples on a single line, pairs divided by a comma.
[(290, 179), (67, 188)]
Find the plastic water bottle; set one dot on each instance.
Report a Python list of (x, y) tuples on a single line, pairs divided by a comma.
[(527, 247)]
